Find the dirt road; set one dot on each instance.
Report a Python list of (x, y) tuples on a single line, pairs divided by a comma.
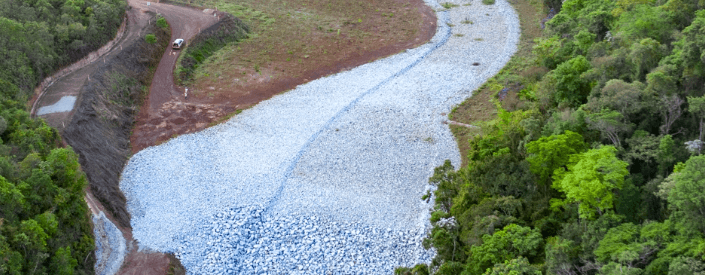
[(70, 85), (185, 23)]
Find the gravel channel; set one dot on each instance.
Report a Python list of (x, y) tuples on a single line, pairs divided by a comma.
[(109, 245), (326, 178)]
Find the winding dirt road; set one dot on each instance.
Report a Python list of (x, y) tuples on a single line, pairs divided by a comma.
[(185, 23)]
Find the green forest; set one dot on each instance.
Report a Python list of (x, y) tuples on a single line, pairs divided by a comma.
[(44, 222), (602, 168)]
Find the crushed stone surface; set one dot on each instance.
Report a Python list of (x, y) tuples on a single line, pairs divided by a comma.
[(326, 178), (110, 246)]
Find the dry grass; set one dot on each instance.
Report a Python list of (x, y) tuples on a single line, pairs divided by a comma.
[(290, 37), (520, 68)]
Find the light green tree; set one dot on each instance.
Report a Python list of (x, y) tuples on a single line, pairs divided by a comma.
[(549, 153), (590, 180)]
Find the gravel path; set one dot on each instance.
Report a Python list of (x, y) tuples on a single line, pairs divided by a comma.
[(326, 178)]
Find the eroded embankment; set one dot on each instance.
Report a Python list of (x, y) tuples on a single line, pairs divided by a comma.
[(100, 128)]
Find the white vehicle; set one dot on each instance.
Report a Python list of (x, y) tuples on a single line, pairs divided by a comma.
[(177, 44)]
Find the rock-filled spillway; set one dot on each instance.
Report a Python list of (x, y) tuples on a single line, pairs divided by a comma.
[(326, 178)]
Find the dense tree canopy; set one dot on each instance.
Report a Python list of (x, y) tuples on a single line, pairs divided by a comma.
[(44, 226), (39, 36), (612, 136), (44, 221)]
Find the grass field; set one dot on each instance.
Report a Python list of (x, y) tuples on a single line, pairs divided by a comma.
[(290, 38), (512, 78)]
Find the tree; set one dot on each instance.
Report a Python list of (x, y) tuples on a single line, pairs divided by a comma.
[(645, 55), (696, 106), (661, 82), (687, 197), (514, 180), (570, 86), (161, 22), (620, 245), (3, 123), (670, 109), (642, 147), (686, 266), (590, 180), (549, 153), (567, 120), (62, 263), (517, 266), (625, 98), (10, 261), (450, 268), (509, 243), (694, 44), (11, 200), (610, 124), (644, 21), (561, 256), (666, 155)]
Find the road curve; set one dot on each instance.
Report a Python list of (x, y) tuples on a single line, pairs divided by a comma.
[(331, 171), (185, 23)]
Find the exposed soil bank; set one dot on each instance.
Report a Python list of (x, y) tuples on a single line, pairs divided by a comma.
[(100, 128)]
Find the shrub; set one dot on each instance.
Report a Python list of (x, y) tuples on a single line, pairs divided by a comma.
[(161, 22), (488, 2), (150, 38)]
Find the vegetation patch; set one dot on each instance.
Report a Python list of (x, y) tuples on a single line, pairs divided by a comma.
[(150, 38), (290, 39), (228, 30), (448, 5)]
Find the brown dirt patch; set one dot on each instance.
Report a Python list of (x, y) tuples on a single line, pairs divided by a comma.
[(243, 85)]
